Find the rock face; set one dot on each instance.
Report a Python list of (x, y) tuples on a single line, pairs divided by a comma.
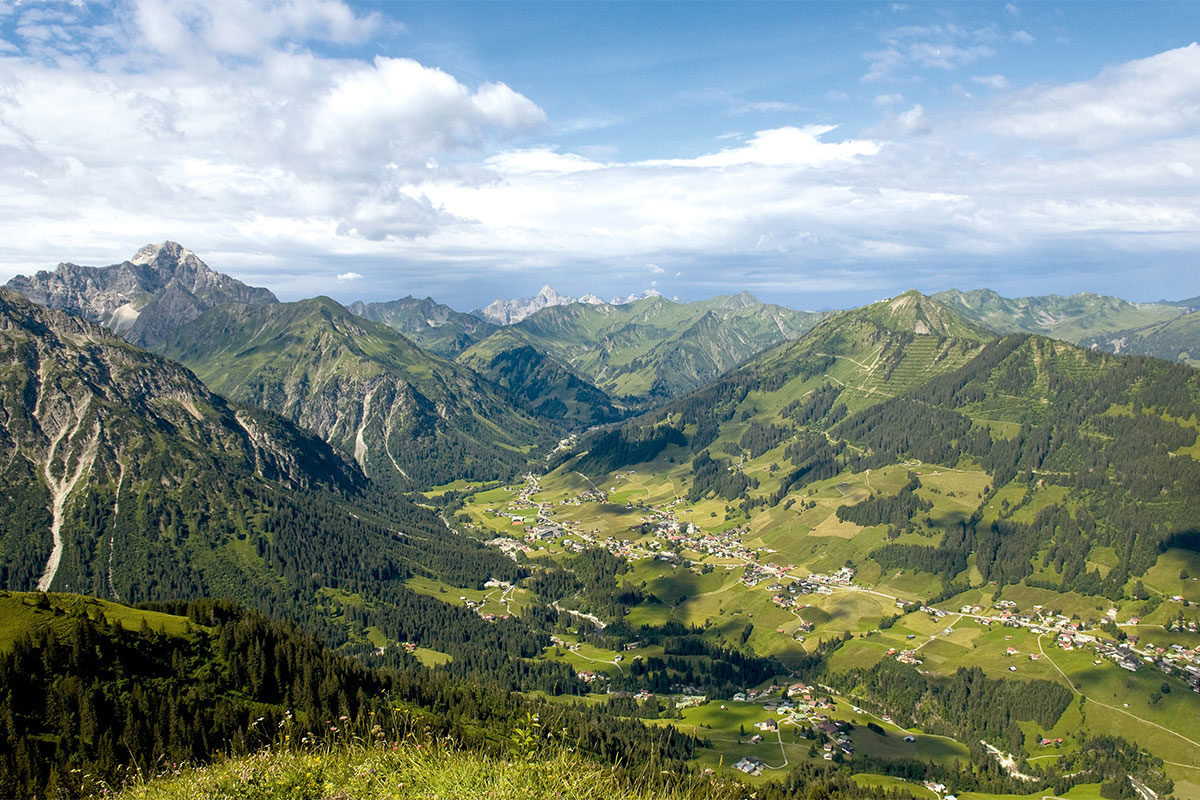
[(115, 455), (406, 416), (508, 311), (144, 299), (513, 310)]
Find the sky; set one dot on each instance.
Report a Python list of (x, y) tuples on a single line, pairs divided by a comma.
[(819, 155)]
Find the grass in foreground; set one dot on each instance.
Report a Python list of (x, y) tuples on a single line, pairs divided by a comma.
[(407, 771)]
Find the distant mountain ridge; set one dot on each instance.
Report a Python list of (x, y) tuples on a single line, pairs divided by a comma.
[(655, 348), (510, 311), (1072, 318), (1177, 339), (434, 326), (144, 299)]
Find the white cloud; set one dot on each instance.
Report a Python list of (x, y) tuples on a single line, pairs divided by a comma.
[(944, 47), (1012, 10), (278, 164), (282, 141), (1150, 97), (991, 81), (1022, 37), (789, 146), (766, 107), (246, 27), (913, 120)]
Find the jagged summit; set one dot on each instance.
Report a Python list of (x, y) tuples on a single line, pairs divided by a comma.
[(143, 299), (633, 298), (510, 311)]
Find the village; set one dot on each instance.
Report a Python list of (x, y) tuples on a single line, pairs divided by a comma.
[(669, 537)]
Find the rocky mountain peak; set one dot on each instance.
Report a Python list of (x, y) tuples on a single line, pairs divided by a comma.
[(144, 299), (167, 253)]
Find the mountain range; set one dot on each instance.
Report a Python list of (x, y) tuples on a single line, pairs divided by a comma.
[(945, 452)]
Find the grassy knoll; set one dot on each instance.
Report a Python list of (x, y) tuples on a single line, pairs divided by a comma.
[(1084, 791), (889, 782), (431, 658), (20, 614)]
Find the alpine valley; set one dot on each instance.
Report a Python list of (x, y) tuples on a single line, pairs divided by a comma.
[(934, 546)]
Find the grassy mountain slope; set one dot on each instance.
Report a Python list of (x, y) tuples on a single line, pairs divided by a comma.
[(1073, 318), (547, 388), (406, 416), (1085, 451), (1177, 339), (654, 348), (435, 327), (96, 695)]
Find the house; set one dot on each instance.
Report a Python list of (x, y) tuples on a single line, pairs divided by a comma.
[(756, 738), (749, 765), (767, 725), (827, 727)]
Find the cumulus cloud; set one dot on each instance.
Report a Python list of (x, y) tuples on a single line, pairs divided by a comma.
[(278, 143), (1022, 37), (350, 276)]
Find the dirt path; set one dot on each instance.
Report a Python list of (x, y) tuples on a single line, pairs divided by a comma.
[(782, 750), (940, 633), (1071, 684)]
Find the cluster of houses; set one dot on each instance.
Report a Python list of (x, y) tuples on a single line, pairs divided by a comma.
[(905, 656)]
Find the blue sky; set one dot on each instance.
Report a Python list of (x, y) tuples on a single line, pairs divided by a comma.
[(817, 154)]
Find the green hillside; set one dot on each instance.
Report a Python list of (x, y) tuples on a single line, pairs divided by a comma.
[(547, 388), (1075, 318), (1176, 339), (942, 470), (435, 327), (406, 416)]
